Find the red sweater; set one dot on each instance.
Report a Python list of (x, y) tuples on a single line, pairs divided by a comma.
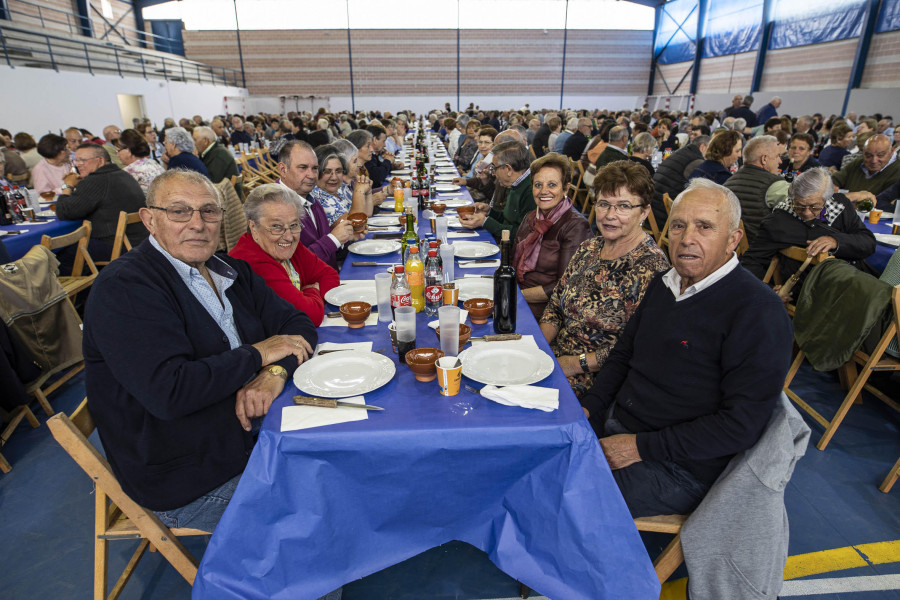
[(309, 267)]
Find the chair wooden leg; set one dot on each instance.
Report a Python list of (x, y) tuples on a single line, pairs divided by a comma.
[(837, 419), (795, 366), (45, 404), (888, 482), (669, 559), (4, 465), (847, 375), (524, 591), (101, 546), (129, 570)]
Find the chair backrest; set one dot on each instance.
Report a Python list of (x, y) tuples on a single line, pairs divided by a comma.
[(237, 182), (80, 236), (120, 239), (773, 273), (667, 202), (744, 244)]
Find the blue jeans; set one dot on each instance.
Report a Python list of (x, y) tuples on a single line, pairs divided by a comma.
[(204, 512)]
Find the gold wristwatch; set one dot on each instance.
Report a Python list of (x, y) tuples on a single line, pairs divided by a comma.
[(278, 370)]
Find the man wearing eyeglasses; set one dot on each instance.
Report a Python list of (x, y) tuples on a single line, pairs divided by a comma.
[(184, 349), (98, 193), (874, 172), (813, 217), (111, 134)]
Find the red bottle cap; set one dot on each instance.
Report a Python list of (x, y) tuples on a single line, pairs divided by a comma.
[(398, 269), (432, 253), (413, 248)]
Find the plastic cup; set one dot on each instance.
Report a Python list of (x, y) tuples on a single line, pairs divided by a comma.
[(383, 294), (448, 319), (440, 227), (447, 254), (448, 376), (874, 215), (405, 318)]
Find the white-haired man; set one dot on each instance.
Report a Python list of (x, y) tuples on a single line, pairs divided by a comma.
[(219, 160), (563, 137), (698, 370)]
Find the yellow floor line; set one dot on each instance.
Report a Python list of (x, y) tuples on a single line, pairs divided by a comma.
[(814, 563)]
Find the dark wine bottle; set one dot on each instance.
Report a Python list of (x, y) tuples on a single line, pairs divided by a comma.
[(505, 289)]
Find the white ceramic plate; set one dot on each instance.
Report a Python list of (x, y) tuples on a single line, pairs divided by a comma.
[(888, 239), (46, 213), (475, 287), (343, 374), (374, 247), (505, 363), (388, 205), (353, 291), (384, 220), (444, 178), (455, 202), (401, 172), (447, 188), (466, 249)]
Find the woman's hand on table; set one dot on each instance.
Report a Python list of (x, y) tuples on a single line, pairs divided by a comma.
[(254, 399), (363, 184), (472, 221)]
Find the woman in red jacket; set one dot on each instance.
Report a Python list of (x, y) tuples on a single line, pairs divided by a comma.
[(273, 249)]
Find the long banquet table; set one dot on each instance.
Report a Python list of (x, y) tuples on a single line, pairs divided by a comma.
[(18, 244), (318, 508)]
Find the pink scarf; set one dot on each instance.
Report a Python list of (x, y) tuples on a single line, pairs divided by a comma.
[(529, 249)]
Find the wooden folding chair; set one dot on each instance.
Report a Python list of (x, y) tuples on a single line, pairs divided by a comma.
[(75, 282), (888, 482), (744, 244), (652, 228), (668, 560), (116, 515), (672, 555), (265, 158), (588, 181), (876, 361), (120, 240), (237, 182), (264, 175), (773, 273), (13, 419), (667, 202)]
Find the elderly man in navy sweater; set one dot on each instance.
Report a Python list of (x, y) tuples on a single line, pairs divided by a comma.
[(696, 374), (183, 348)]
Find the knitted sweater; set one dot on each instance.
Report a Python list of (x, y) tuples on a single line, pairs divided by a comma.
[(697, 380), (853, 178)]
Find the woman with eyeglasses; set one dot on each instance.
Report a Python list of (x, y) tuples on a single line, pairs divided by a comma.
[(548, 235), (606, 278), (273, 249), (335, 195)]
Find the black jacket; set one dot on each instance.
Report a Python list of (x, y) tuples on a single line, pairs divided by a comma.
[(541, 139), (671, 179), (781, 229), (750, 184), (575, 145)]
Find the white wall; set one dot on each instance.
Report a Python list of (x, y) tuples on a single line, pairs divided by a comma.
[(40, 100), (827, 102), (421, 104)]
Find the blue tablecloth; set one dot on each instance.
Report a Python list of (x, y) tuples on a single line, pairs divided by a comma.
[(883, 252), (318, 508), (19, 244)]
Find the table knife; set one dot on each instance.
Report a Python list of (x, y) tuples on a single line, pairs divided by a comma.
[(386, 236), (499, 337), (479, 261), (330, 403), (372, 264), (468, 276)]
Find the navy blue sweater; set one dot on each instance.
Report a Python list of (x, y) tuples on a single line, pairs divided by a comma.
[(161, 377), (697, 380)]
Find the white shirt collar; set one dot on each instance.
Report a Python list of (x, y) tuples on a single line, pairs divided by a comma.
[(672, 280)]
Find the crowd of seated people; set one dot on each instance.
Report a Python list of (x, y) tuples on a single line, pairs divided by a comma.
[(607, 298)]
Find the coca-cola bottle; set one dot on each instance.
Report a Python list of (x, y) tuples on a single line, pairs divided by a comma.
[(400, 292), (434, 288)]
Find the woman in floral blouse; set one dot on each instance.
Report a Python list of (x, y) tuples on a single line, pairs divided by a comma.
[(606, 278), (134, 152)]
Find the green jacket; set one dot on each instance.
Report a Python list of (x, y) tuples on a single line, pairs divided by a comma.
[(219, 162), (854, 179), (519, 202)]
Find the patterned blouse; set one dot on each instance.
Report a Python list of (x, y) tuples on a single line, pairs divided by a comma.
[(595, 298), (334, 206), (145, 170)]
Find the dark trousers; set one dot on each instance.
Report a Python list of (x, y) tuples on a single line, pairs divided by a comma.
[(655, 487)]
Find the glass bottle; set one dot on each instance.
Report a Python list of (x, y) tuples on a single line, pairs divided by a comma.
[(505, 289)]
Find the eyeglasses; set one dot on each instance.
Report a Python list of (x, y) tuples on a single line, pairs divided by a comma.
[(278, 230), (493, 168), (330, 172), (621, 209), (182, 214), (81, 161), (813, 208)]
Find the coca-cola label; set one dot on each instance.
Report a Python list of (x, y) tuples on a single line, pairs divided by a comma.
[(434, 293), (401, 299)]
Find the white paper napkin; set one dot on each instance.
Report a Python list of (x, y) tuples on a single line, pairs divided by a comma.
[(461, 234), (462, 319), (363, 346), (525, 396), (306, 417), (340, 322), (469, 264)]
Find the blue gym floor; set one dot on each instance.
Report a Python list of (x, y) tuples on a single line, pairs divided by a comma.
[(833, 504)]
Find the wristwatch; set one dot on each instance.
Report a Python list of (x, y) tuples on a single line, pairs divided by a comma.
[(278, 370), (582, 360)]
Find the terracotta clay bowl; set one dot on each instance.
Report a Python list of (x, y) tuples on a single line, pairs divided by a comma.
[(479, 309), (465, 332), (438, 208), (402, 219), (465, 211), (421, 362), (355, 313), (359, 221)]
